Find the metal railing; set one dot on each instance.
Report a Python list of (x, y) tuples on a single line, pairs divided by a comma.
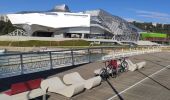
[(30, 62)]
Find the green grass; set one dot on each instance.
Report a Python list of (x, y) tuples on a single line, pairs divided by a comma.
[(59, 44), (36, 43), (153, 35)]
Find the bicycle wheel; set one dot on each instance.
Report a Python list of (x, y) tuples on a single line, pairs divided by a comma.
[(104, 74), (113, 73), (124, 66)]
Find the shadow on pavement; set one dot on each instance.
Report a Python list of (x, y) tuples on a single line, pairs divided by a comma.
[(114, 90)]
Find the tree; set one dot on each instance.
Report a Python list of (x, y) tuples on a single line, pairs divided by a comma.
[(158, 28), (6, 27)]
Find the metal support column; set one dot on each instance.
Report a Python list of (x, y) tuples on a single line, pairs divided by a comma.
[(72, 56), (89, 56), (22, 65), (51, 63)]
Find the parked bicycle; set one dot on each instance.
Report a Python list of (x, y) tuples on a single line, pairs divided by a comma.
[(113, 68), (123, 64)]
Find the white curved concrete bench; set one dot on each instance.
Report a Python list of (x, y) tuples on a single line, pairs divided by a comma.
[(55, 85), (140, 64), (98, 71), (24, 95), (133, 67), (29, 94), (5, 97), (75, 77)]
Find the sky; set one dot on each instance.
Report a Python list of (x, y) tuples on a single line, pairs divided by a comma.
[(156, 11)]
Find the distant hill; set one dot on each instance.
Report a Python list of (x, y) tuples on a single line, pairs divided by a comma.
[(150, 27)]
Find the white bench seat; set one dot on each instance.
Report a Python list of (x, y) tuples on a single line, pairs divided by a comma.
[(141, 64), (75, 77), (99, 71), (133, 67), (24, 95), (55, 85)]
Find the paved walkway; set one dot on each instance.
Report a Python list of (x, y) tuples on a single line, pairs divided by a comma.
[(149, 83)]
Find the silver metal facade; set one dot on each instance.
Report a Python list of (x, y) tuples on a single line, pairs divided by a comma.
[(118, 27)]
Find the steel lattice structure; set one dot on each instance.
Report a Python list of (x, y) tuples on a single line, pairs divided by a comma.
[(120, 28)]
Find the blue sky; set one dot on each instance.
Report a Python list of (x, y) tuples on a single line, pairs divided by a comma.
[(140, 10)]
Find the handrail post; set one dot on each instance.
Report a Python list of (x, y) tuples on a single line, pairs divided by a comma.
[(89, 55), (72, 56), (102, 52), (21, 62), (51, 62)]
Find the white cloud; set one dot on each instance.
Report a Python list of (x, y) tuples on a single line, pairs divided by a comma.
[(158, 14), (164, 17), (131, 20), (154, 17)]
